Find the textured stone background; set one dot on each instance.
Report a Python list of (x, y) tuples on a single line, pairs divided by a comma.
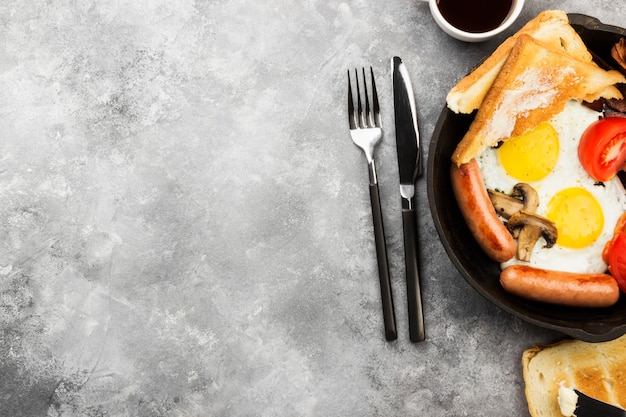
[(185, 228)]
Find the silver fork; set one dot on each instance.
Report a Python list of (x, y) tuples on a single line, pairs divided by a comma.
[(366, 131)]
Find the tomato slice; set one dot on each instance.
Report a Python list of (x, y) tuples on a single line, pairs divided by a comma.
[(619, 227), (602, 148), (617, 260)]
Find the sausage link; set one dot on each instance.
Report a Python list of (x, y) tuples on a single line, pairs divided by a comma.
[(479, 214), (557, 287)]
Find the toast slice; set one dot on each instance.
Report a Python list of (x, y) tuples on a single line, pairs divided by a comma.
[(551, 27), (597, 369), (533, 85)]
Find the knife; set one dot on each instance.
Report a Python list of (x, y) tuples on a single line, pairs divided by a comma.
[(590, 407), (410, 168)]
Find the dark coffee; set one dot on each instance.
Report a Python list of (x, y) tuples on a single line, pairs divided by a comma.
[(475, 16)]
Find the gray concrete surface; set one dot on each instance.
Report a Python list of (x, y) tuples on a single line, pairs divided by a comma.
[(185, 227)]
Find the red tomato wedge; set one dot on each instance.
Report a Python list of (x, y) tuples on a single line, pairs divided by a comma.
[(617, 260), (602, 148), (619, 227)]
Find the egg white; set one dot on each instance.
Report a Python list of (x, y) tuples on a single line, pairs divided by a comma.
[(568, 172)]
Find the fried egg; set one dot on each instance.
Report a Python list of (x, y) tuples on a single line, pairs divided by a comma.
[(584, 211)]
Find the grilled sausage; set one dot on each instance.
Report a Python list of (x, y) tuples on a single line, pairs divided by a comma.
[(557, 287), (479, 214)]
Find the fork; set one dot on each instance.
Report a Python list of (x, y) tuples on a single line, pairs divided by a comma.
[(366, 132)]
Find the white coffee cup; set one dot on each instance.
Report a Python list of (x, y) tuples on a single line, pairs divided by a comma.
[(455, 32)]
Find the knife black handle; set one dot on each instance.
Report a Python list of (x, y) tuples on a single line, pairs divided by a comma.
[(389, 316), (413, 291)]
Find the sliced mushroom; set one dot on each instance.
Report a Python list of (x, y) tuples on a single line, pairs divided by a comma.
[(529, 227), (528, 194), (523, 197), (504, 204), (618, 52), (618, 105)]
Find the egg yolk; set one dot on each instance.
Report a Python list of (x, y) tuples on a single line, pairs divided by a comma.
[(531, 156), (578, 217)]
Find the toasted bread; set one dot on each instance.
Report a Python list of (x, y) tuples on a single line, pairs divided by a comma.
[(597, 369), (533, 85), (551, 27)]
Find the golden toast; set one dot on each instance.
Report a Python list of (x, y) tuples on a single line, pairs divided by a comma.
[(532, 86), (551, 27), (596, 369)]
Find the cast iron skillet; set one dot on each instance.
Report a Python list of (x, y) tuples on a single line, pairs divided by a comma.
[(592, 325)]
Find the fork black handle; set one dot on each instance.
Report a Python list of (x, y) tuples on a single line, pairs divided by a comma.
[(413, 291), (389, 316)]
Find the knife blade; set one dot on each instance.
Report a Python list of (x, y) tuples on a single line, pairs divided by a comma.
[(590, 407), (409, 168)]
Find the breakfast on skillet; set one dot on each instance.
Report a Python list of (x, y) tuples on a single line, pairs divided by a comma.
[(536, 174)]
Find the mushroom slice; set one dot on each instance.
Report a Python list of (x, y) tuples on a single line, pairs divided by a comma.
[(529, 227), (523, 197), (618, 52), (528, 194), (504, 204)]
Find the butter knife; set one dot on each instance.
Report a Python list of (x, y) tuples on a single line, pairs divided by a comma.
[(590, 407), (410, 168)]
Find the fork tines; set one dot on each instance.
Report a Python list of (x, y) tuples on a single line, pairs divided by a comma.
[(371, 117)]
